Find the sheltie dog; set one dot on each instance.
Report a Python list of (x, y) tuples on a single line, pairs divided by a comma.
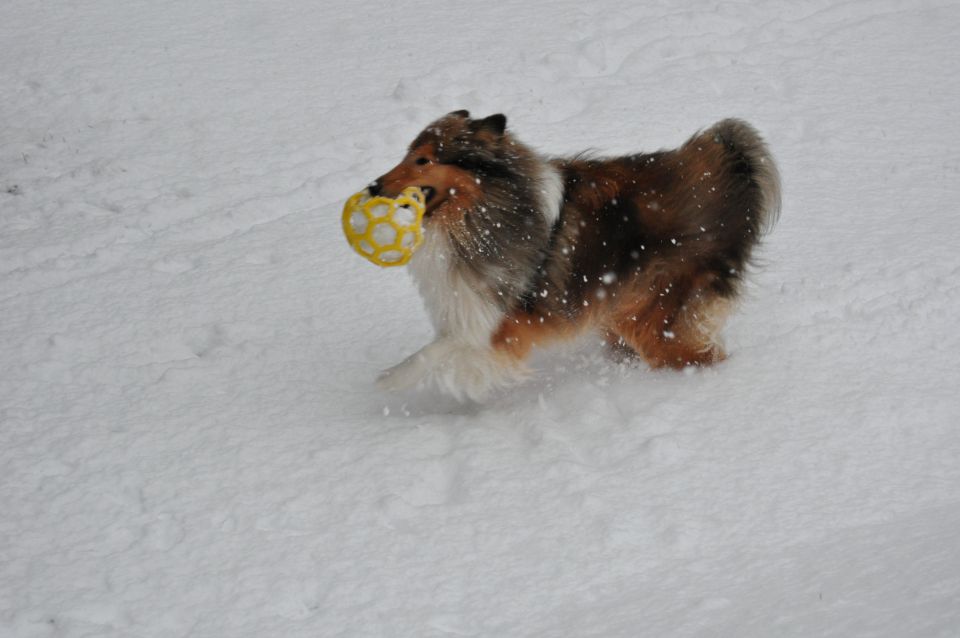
[(520, 250)]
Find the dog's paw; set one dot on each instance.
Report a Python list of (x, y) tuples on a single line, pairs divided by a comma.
[(460, 370), (416, 369), (405, 375)]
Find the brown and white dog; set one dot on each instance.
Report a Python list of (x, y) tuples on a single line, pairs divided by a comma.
[(520, 250)]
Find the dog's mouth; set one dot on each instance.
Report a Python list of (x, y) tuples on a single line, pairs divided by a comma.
[(430, 193)]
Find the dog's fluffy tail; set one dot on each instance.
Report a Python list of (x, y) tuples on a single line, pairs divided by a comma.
[(751, 153), (727, 190)]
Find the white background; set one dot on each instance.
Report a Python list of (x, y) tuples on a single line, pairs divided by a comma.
[(191, 444)]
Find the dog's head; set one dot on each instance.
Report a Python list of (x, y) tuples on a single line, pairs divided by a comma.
[(449, 160)]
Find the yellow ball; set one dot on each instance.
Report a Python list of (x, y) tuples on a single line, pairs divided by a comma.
[(386, 231)]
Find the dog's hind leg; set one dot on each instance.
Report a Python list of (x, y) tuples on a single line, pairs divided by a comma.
[(672, 330)]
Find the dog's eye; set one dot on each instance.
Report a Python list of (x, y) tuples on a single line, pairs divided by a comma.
[(422, 160)]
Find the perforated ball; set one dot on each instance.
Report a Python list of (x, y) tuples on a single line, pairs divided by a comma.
[(386, 231)]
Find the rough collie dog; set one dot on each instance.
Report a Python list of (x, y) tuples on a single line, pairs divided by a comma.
[(521, 250)]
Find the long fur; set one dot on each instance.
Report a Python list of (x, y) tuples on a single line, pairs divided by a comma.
[(649, 249)]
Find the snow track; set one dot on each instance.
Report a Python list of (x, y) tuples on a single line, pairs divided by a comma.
[(190, 439)]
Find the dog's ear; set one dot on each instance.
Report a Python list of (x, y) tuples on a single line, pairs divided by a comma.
[(461, 113), (496, 124)]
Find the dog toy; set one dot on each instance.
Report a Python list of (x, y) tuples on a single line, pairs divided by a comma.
[(384, 230)]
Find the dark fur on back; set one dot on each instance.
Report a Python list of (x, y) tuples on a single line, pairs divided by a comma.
[(686, 218)]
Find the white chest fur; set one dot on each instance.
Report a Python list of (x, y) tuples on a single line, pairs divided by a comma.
[(457, 310)]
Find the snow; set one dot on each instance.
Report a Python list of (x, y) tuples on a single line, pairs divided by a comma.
[(191, 442)]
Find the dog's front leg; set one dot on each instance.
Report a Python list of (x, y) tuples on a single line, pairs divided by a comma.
[(457, 368), (416, 369)]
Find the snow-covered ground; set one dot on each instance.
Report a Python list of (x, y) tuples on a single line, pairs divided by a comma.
[(191, 443)]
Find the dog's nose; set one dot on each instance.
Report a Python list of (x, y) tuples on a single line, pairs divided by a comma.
[(375, 187)]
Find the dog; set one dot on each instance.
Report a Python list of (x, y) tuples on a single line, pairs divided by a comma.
[(521, 250)]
